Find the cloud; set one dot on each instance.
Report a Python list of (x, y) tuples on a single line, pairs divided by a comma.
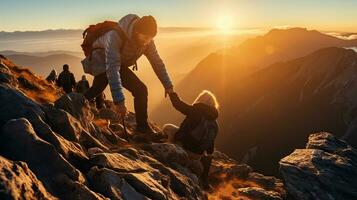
[(344, 36)]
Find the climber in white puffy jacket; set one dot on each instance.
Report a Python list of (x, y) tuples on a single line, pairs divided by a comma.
[(112, 57)]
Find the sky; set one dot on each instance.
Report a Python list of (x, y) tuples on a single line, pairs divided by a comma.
[(328, 15)]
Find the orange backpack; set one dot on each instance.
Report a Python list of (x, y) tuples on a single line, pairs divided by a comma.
[(93, 32)]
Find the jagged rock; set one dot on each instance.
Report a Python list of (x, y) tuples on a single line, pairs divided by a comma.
[(18, 141), (147, 175), (326, 169), (141, 176), (72, 117), (166, 152), (118, 162), (14, 104), (6, 75), (78, 106), (259, 193), (17, 181), (70, 128)]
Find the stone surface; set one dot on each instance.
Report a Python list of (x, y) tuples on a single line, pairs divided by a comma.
[(17, 181), (326, 169)]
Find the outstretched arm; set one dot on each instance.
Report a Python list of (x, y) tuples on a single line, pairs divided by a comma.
[(158, 65), (179, 105)]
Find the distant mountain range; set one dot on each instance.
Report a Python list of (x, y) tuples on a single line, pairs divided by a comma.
[(273, 91), (43, 62)]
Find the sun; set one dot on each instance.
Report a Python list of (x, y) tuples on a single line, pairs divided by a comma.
[(224, 23)]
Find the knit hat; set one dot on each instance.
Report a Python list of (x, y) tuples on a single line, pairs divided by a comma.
[(146, 25)]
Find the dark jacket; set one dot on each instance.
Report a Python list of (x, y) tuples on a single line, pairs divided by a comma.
[(66, 81), (194, 114), (82, 86)]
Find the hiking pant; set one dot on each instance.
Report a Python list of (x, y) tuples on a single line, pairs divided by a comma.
[(194, 163), (130, 82), (67, 89)]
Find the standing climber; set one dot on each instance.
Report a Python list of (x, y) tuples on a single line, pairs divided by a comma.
[(110, 49), (197, 132), (82, 85), (66, 79), (52, 77)]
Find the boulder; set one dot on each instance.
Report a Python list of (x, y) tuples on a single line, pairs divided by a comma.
[(70, 128), (17, 181), (18, 141), (14, 104), (17, 105), (259, 193), (111, 184), (326, 169), (78, 106)]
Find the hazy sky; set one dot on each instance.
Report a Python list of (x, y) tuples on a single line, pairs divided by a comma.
[(331, 15)]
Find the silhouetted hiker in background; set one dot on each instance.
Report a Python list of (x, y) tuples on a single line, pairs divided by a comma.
[(52, 77), (110, 49), (197, 132), (82, 85), (66, 79)]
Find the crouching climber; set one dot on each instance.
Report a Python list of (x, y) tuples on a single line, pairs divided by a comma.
[(197, 132)]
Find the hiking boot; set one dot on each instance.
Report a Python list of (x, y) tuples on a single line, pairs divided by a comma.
[(144, 130), (147, 134)]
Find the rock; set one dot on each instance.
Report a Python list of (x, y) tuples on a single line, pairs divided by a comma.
[(70, 128), (137, 173), (118, 162), (238, 181), (18, 141), (259, 193), (128, 192), (78, 106), (14, 104), (17, 181), (167, 152), (326, 169), (112, 185), (6, 75), (147, 175)]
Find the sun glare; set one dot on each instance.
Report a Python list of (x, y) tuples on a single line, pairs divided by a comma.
[(225, 23)]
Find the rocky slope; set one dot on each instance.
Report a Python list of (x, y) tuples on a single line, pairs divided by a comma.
[(57, 146)]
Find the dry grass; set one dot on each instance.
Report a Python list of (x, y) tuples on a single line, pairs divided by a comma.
[(40, 91)]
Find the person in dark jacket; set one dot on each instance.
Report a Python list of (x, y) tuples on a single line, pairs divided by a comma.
[(66, 79), (82, 85), (52, 77), (205, 106)]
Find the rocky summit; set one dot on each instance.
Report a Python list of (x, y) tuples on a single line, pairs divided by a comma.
[(59, 146)]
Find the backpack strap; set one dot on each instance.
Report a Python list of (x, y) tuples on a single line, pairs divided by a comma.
[(122, 35)]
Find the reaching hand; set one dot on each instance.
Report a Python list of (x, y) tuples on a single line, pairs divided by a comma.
[(120, 108), (169, 91)]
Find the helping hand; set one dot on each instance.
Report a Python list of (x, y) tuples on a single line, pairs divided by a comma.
[(121, 109)]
